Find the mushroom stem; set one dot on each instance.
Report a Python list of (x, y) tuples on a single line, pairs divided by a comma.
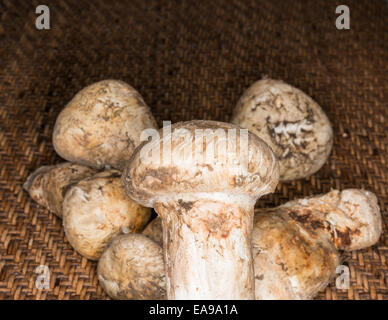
[(207, 246)]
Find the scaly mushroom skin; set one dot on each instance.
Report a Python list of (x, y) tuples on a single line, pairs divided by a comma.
[(295, 246), (131, 267), (96, 209), (291, 122), (206, 205), (49, 184), (101, 126)]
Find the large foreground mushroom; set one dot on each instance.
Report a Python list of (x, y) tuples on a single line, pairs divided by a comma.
[(203, 179)]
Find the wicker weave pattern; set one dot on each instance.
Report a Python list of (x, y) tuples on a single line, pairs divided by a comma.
[(190, 60)]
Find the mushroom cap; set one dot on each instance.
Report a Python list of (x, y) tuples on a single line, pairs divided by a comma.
[(96, 209), (131, 267), (49, 184), (228, 160), (291, 122), (101, 125)]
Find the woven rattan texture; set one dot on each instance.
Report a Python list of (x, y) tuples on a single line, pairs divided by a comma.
[(190, 60)]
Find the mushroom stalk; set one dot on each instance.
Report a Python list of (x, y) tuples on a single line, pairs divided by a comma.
[(207, 247)]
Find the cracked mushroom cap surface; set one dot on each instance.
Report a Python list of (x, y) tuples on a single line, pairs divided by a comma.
[(96, 209), (101, 126), (132, 267), (291, 122), (227, 160)]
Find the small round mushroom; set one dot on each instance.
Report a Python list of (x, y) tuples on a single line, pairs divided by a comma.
[(205, 200), (295, 246), (49, 184), (96, 209), (101, 126), (131, 267), (291, 122)]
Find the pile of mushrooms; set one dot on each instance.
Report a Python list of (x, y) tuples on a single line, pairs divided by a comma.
[(203, 179)]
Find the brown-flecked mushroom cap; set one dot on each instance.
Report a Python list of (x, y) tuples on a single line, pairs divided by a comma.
[(96, 209), (131, 267), (49, 184), (101, 126), (291, 122), (233, 168)]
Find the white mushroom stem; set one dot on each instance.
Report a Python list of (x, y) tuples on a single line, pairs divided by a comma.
[(207, 246)]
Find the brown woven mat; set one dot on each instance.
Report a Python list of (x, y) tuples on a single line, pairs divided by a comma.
[(190, 60)]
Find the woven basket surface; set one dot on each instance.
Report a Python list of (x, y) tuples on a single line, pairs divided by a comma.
[(189, 60)]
